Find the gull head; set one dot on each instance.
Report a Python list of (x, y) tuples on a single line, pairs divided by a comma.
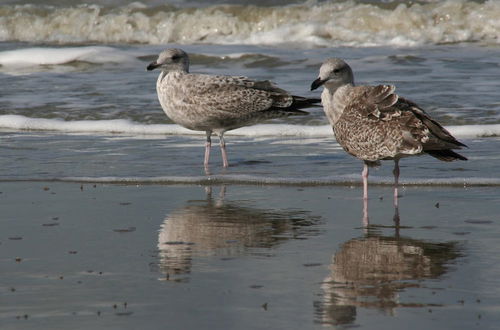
[(172, 59), (334, 73)]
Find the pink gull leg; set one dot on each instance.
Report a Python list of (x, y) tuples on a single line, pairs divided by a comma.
[(364, 174), (225, 163), (208, 144)]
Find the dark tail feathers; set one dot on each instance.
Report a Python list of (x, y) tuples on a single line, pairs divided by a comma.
[(446, 155), (298, 103)]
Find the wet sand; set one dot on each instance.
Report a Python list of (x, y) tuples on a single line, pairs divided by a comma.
[(85, 256)]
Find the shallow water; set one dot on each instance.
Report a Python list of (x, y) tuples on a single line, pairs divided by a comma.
[(456, 83), (264, 160), (109, 91)]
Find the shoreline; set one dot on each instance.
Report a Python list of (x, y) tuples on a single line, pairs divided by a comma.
[(217, 180)]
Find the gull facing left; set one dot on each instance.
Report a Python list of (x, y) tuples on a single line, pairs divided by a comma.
[(216, 103), (373, 123)]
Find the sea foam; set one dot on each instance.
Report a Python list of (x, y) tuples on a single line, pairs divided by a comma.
[(126, 126), (55, 56), (326, 23)]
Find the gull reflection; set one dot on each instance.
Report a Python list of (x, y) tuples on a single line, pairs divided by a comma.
[(215, 227), (372, 271), (366, 217)]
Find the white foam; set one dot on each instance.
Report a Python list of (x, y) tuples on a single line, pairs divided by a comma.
[(55, 56), (126, 126), (475, 130), (313, 23)]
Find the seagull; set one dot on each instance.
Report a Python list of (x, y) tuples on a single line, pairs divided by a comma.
[(373, 123), (217, 103)]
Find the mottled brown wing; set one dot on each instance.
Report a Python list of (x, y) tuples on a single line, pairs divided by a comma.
[(373, 126), (235, 95), (441, 134), (376, 102)]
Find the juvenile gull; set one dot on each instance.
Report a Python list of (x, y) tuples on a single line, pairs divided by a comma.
[(373, 123), (217, 104)]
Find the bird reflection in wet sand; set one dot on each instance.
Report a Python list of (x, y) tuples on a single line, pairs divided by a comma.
[(366, 217), (372, 271), (216, 227)]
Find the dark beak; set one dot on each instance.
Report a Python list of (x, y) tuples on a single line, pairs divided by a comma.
[(315, 84), (152, 66)]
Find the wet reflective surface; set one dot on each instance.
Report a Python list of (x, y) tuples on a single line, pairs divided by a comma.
[(371, 271), (93, 256), (226, 229)]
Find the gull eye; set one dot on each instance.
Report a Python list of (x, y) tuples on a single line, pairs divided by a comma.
[(336, 71), (176, 57)]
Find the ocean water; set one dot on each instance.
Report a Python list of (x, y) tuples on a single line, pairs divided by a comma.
[(79, 116), (77, 104), (90, 111)]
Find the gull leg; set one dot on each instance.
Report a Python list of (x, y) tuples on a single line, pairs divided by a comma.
[(364, 175), (208, 144), (396, 181), (223, 150)]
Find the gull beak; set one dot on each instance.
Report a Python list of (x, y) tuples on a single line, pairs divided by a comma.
[(152, 66), (318, 82)]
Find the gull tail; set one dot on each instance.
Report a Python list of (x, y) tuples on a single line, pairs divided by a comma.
[(300, 102), (445, 155)]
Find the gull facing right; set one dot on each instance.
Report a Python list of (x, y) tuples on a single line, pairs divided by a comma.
[(373, 123)]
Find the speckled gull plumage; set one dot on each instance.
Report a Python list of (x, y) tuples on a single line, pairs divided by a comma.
[(216, 103), (373, 123)]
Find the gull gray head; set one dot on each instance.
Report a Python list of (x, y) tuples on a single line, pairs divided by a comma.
[(173, 59), (334, 73)]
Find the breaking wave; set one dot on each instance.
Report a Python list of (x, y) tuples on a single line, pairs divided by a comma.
[(55, 56), (311, 24), (126, 126)]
